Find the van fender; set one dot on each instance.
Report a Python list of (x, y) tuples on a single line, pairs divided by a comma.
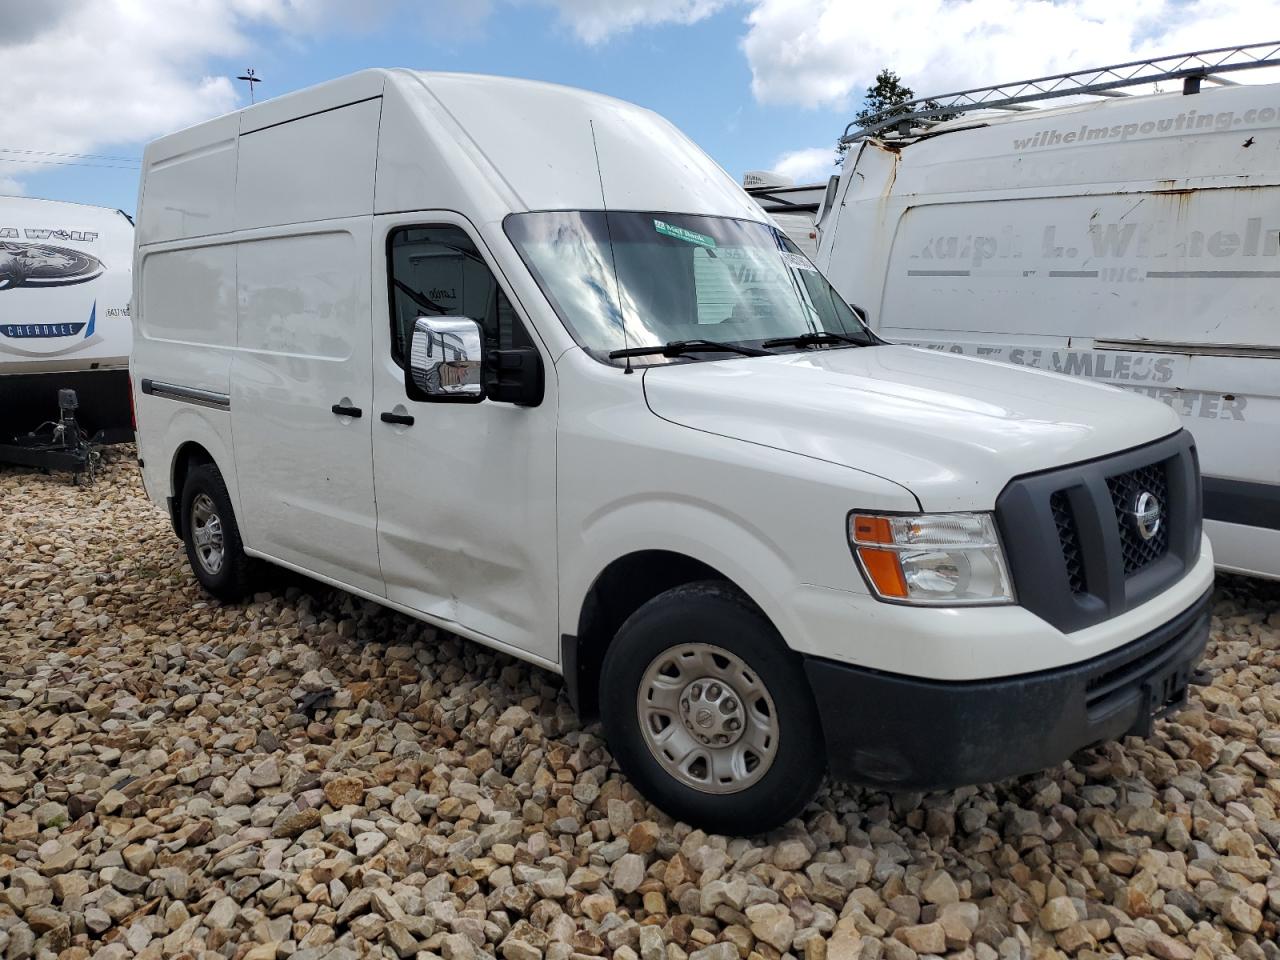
[(695, 528), (194, 425)]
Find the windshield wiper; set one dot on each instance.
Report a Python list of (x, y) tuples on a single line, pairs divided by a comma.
[(678, 348), (814, 340)]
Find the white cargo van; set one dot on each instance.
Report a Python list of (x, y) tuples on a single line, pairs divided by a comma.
[(521, 361), (64, 314), (1134, 241)]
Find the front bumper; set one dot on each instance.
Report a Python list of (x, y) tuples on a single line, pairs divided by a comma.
[(907, 733)]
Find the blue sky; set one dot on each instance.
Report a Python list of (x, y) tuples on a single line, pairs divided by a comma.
[(759, 84), (694, 74)]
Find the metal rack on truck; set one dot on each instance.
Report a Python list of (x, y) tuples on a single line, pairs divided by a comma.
[(915, 118)]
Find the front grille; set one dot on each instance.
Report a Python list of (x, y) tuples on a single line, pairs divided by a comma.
[(1069, 539), (1125, 489), (1072, 540)]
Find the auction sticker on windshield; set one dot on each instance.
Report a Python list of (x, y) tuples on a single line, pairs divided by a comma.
[(680, 233), (797, 260)]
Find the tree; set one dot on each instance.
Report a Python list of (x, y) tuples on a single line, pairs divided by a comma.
[(886, 94), (884, 99)]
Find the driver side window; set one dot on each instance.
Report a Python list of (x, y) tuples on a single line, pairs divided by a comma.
[(437, 271)]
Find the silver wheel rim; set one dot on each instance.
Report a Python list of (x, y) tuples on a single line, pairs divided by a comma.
[(206, 533), (707, 718)]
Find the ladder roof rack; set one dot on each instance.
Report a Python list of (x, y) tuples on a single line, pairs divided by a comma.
[(912, 118)]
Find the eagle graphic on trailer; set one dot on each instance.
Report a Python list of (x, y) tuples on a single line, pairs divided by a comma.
[(65, 284)]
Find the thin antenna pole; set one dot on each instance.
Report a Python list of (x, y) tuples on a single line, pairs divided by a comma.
[(608, 229), (250, 79)]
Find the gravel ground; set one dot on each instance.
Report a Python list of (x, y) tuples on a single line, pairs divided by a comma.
[(309, 775)]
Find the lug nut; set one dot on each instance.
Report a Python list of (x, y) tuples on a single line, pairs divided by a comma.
[(713, 692)]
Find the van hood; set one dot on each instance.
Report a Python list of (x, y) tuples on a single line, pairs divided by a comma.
[(953, 430)]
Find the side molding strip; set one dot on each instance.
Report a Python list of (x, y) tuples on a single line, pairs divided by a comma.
[(1245, 502), (174, 391)]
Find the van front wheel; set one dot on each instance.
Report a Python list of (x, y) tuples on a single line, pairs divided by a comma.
[(710, 713), (212, 537)]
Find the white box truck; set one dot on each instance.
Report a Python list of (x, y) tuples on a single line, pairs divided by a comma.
[(65, 283), (1134, 241), (522, 362)]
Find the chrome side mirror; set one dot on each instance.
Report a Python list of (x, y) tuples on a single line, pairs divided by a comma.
[(446, 360)]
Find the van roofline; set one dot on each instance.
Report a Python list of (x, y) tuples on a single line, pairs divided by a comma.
[(916, 118), (360, 84), (426, 76)]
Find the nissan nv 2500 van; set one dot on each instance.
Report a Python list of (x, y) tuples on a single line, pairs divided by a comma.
[(523, 362)]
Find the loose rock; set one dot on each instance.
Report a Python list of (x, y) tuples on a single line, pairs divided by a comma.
[(306, 775)]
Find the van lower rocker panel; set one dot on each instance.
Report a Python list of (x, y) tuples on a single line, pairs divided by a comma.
[(909, 733)]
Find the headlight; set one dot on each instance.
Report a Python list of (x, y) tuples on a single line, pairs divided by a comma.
[(935, 559)]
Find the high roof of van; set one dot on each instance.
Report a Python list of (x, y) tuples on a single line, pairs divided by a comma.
[(1226, 137), (486, 145), (1249, 110), (1096, 111)]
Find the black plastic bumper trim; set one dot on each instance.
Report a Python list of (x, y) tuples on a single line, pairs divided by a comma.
[(1246, 502), (175, 391), (569, 668), (907, 733)]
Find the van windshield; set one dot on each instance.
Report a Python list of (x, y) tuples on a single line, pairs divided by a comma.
[(675, 277)]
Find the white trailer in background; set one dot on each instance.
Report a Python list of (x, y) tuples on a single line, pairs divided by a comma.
[(1133, 240), (65, 283), (793, 208)]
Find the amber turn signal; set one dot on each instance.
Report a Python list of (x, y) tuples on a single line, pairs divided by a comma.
[(885, 570)]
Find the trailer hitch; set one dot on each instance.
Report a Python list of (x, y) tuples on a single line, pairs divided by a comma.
[(58, 444)]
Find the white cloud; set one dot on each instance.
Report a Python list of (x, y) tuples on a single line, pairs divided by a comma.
[(81, 75), (9, 187), (595, 21), (807, 165), (85, 75), (826, 52)]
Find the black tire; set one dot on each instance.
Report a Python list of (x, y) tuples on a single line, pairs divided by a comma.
[(232, 580), (714, 613)]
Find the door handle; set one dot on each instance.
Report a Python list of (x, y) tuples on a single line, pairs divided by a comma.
[(341, 411), (403, 419)]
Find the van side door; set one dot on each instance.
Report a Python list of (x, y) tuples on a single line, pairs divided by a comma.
[(465, 491), (301, 397)]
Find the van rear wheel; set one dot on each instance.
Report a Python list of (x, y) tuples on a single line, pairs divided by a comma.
[(710, 713), (212, 537)]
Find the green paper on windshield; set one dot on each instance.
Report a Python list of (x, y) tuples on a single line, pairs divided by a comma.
[(680, 233)]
